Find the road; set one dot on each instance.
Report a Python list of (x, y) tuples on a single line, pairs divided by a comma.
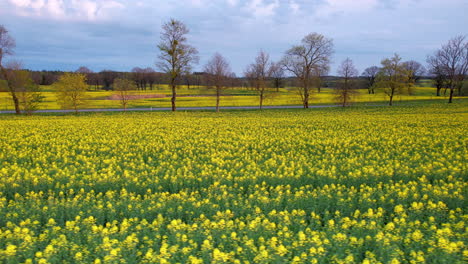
[(178, 109)]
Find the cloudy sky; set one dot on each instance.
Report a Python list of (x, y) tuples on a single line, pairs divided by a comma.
[(122, 34)]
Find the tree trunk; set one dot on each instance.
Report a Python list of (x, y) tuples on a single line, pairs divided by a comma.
[(12, 90), (438, 90), (306, 97), (217, 99), (391, 97), (173, 99), (261, 99), (451, 95), (16, 102), (76, 109)]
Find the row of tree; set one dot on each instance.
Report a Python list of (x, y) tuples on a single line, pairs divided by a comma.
[(71, 90), (308, 62), (145, 78)]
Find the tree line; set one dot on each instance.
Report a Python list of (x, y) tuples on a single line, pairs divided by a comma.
[(307, 64)]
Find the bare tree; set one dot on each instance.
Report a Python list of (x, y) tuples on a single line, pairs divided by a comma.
[(393, 77), (138, 75), (308, 59), (319, 73), (234, 81), (188, 79), (258, 74), (7, 44), (346, 87), (84, 70), (123, 87), (370, 74), (88, 73), (45, 77), (415, 70), (150, 76), (176, 56), (437, 72), (217, 75), (108, 77), (95, 79), (277, 74), (452, 59)]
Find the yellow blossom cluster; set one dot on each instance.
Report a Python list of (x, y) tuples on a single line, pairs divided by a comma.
[(361, 185)]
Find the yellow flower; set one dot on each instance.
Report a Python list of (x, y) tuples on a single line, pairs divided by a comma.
[(282, 250), (79, 256), (417, 235), (195, 260), (10, 250), (399, 209)]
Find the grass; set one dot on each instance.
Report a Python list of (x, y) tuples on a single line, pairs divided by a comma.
[(201, 96)]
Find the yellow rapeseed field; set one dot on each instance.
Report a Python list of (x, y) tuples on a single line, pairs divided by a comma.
[(356, 185)]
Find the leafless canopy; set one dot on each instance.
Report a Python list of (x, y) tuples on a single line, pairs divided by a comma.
[(370, 74), (84, 70), (217, 75), (258, 73), (346, 88), (277, 74), (452, 59), (123, 87), (7, 43), (309, 58), (176, 56), (347, 69), (437, 72), (415, 69), (144, 77), (218, 70)]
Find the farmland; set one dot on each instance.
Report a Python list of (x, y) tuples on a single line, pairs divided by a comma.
[(354, 185), (202, 96)]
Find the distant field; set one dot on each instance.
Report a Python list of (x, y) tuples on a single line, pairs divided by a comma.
[(355, 185), (201, 96)]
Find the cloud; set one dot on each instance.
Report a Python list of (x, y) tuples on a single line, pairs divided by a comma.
[(294, 6), (232, 3), (331, 7), (121, 34), (261, 9), (85, 10)]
